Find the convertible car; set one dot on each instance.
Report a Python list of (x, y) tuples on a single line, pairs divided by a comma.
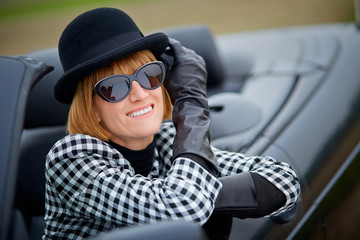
[(291, 93)]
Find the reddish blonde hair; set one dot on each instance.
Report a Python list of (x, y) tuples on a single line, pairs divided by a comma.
[(81, 119)]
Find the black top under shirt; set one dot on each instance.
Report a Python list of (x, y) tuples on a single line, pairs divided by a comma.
[(140, 160)]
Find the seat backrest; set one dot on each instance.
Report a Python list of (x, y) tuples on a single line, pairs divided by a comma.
[(45, 121), (43, 109)]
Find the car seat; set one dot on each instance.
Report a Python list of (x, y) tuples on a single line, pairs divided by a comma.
[(45, 121)]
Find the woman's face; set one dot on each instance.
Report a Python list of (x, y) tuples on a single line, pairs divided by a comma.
[(133, 121)]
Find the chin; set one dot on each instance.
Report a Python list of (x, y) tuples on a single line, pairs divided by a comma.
[(148, 128)]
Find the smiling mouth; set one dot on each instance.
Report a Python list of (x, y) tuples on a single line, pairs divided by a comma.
[(140, 112)]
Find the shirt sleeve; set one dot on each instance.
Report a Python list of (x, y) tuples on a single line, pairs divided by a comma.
[(93, 180), (280, 174)]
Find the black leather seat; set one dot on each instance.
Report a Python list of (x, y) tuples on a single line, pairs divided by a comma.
[(44, 124)]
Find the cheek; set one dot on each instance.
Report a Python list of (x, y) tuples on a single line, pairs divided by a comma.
[(105, 111)]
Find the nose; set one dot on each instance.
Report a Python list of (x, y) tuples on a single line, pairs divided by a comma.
[(137, 92)]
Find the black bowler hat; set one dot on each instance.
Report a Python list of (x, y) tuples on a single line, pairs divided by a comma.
[(96, 38)]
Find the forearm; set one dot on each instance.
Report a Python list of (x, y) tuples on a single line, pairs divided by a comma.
[(186, 85), (279, 176), (248, 195)]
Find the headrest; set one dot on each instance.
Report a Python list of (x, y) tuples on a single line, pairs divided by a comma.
[(42, 107), (200, 39)]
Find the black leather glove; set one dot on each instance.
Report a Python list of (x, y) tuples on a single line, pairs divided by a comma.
[(247, 195), (186, 85)]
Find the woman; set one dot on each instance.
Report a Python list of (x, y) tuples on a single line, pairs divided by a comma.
[(121, 163)]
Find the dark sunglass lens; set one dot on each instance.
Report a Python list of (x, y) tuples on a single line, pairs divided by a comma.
[(114, 88), (150, 76)]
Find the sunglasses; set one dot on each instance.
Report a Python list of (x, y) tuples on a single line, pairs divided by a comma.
[(117, 87)]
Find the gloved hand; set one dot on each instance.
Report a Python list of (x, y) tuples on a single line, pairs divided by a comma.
[(247, 195), (237, 196), (186, 85)]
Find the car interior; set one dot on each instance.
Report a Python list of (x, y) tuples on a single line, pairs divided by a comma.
[(279, 79)]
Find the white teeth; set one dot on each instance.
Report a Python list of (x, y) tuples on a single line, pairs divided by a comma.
[(141, 112)]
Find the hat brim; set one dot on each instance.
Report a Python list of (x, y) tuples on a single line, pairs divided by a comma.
[(65, 87)]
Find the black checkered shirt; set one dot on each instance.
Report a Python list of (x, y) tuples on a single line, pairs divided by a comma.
[(91, 188)]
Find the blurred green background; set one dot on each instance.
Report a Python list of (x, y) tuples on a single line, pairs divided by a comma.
[(27, 25)]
